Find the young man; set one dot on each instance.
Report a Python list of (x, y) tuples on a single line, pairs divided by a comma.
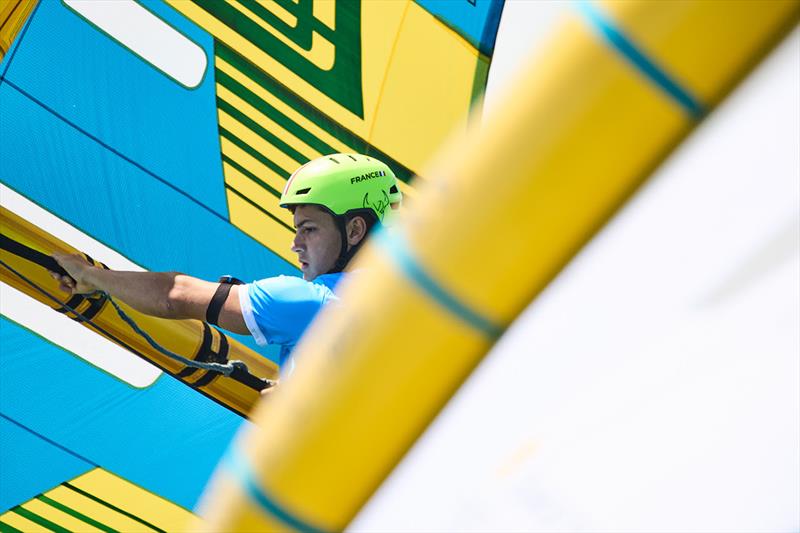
[(336, 200)]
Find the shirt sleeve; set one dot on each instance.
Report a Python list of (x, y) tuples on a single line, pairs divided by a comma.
[(278, 310)]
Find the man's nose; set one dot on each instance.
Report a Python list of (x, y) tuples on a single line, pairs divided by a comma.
[(297, 243)]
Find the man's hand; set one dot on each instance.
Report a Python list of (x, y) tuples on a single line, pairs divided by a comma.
[(269, 390), (77, 267)]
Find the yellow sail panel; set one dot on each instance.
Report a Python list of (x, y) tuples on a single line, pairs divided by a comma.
[(425, 78), (280, 12), (212, 17), (247, 186), (89, 509), (259, 143), (260, 225), (269, 99), (13, 14), (394, 64), (101, 501), (59, 517), (20, 523), (233, 151), (133, 500), (98, 501), (266, 122)]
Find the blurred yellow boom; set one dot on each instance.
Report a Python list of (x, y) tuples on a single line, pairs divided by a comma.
[(622, 84)]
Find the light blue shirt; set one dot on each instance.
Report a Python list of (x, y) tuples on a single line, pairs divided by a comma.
[(278, 310)]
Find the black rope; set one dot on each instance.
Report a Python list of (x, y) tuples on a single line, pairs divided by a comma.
[(34, 256), (226, 369), (236, 370)]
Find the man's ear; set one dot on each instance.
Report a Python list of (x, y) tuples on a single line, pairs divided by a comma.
[(356, 230)]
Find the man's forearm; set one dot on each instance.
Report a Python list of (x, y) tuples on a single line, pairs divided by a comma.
[(161, 294), (147, 292)]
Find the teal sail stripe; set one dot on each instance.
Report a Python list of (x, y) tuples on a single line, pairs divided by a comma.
[(647, 66), (398, 250), (237, 465)]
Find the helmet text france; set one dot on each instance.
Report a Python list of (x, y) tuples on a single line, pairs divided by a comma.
[(367, 176)]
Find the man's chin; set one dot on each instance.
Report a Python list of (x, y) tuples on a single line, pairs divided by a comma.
[(310, 273)]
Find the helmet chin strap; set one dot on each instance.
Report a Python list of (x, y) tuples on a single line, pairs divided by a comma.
[(344, 254)]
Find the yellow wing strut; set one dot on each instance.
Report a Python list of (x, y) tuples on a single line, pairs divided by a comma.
[(507, 208)]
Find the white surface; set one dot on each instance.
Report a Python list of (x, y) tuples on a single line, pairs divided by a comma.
[(525, 27), (147, 36), (57, 328), (655, 385)]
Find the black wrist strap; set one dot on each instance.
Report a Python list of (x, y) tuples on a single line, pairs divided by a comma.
[(218, 300)]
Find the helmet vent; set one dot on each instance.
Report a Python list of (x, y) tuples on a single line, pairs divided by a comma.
[(334, 160), (303, 191), (351, 157), (393, 189)]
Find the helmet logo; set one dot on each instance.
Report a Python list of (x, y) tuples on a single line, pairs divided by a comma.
[(367, 176), (379, 206)]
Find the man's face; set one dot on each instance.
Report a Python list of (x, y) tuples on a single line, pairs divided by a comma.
[(317, 242)]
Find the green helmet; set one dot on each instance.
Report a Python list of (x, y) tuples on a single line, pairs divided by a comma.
[(343, 183)]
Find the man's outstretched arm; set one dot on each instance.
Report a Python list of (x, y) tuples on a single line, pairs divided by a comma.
[(161, 294)]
